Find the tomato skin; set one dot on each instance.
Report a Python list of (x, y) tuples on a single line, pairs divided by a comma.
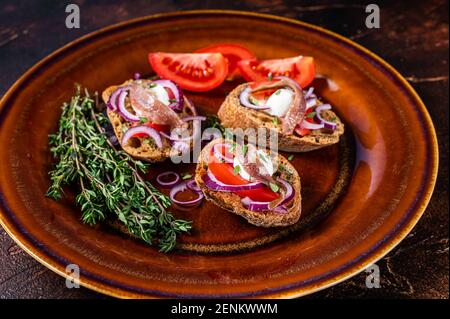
[(233, 53), (158, 127), (224, 172), (197, 72), (299, 68)]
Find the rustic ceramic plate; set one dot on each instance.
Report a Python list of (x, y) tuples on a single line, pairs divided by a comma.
[(360, 198)]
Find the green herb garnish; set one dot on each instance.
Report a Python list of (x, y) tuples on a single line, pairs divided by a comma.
[(152, 85), (275, 121), (310, 115), (109, 180), (278, 92), (291, 157), (143, 120), (270, 76), (172, 100), (274, 187), (333, 119), (186, 176), (236, 170), (244, 149)]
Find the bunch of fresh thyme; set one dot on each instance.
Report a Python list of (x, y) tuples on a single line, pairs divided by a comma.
[(109, 179)]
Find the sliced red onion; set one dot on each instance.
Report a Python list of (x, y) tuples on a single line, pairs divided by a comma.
[(178, 94), (112, 102), (264, 206), (181, 188), (175, 180), (309, 93), (311, 126), (244, 99), (218, 154), (327, 124), (311, 102), (194, 118), (212, 183), (142, 129), (192, 185), (137, 76), (127, 115)]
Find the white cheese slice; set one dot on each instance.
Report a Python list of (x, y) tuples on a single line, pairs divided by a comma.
[(279, 102)]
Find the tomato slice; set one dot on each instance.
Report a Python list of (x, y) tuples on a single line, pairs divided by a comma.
[(198, 72), (298, 68), (158, 127), (233, 53), (224, 172)]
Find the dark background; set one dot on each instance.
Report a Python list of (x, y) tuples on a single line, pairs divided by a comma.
[(413, 38)]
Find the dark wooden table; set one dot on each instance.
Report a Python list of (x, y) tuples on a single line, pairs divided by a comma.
[(413, 37)]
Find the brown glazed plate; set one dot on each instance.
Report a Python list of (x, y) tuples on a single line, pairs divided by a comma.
[(360, 197)]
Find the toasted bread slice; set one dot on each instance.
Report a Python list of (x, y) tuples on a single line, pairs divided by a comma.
[(141, 147), (232, 202), (233, 115)]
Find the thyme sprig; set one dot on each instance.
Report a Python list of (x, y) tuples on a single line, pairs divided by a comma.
[(109, 180)]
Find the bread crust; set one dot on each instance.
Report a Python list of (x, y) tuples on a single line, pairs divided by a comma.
[(233, 115), (232, 202), (138, 148)]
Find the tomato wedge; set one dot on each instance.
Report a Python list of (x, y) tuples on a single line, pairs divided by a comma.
[(198, 72), (298, 68), (224, 172), (233, 53), (158, 127)]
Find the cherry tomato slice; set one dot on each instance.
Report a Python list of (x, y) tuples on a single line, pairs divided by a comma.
[(298, 68), (233, 53), (198, 72)]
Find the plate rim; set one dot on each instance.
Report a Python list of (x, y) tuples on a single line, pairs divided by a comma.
[(290, 292)]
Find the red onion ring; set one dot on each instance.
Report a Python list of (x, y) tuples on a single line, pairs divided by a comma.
[(243, 98), (264, 206), (213, 184), (142, 129), (171, 183), (309, 93), (311, 126), (112, 102), (127, 115), (327, 124), (218, 153), (192, 185), (311, 102), (181, 188), (178, 94)]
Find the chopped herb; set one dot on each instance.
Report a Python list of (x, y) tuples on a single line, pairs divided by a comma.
[(270, 76), (186, 176), (172, 100), (278, 92), (274, 187), (143, 120), (262, 156), (310, 115), (281, 167), (124, 129), (291, 157), (236, 169), (110, 181), (232, 148), (152, 85), (275, 121), (146, 141), (333, 119)]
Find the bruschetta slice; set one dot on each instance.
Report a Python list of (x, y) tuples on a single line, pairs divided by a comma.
[(303, 123), (145, 114), (260, 186)]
